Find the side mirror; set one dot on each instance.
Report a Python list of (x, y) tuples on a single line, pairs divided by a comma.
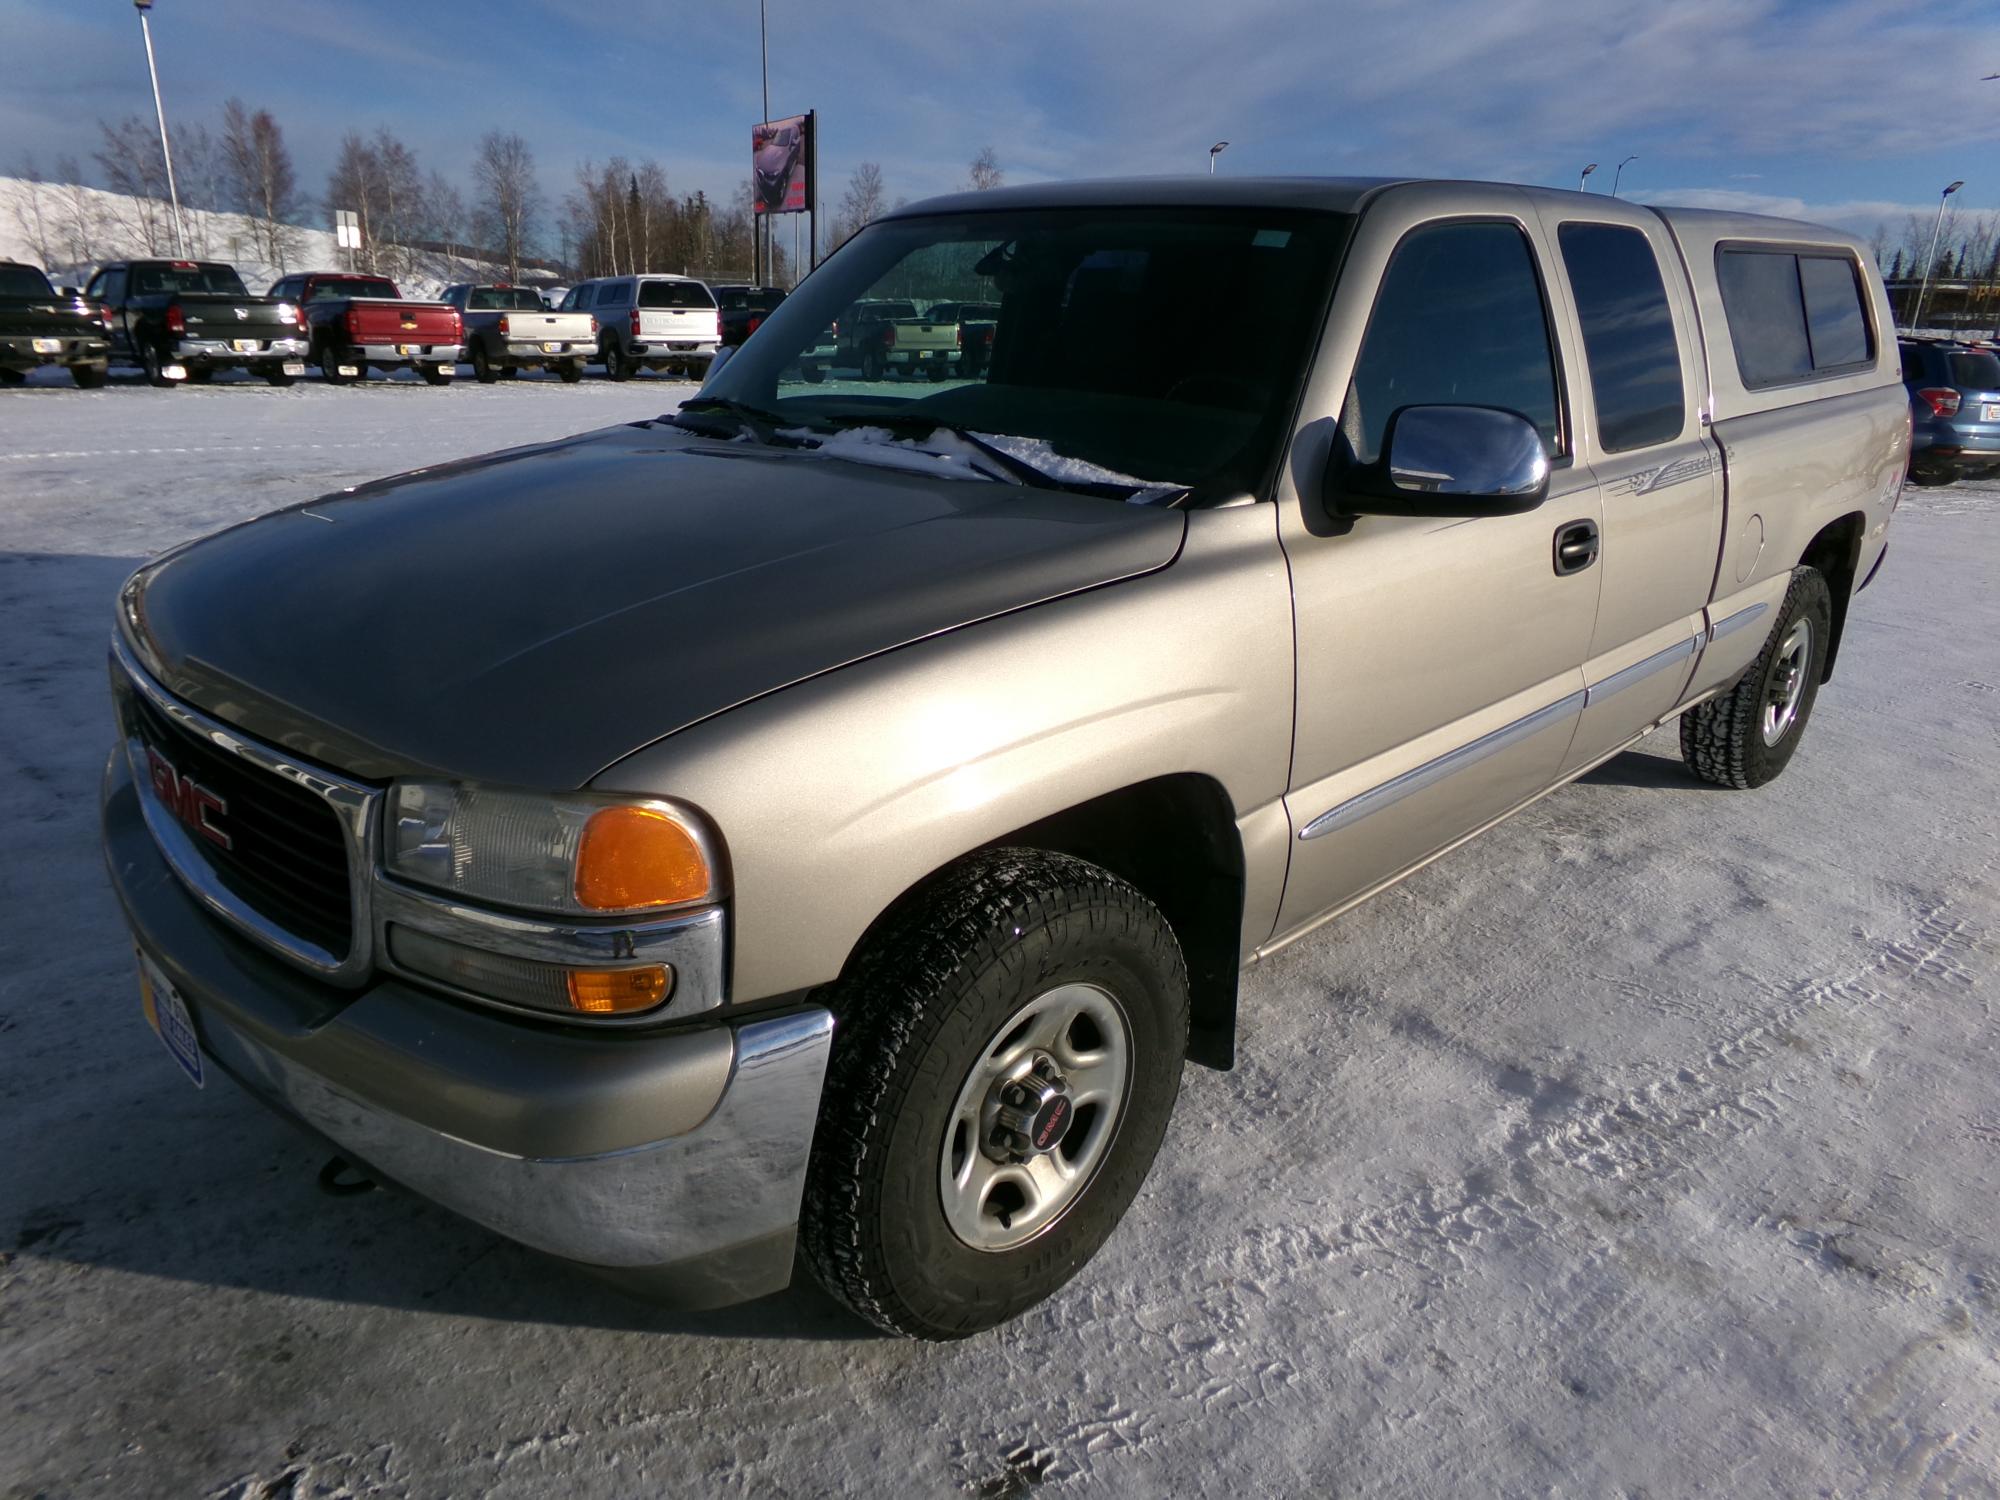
[(722, 357), (1447, 461)]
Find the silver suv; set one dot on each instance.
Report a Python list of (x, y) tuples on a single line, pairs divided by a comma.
[(650, 323)]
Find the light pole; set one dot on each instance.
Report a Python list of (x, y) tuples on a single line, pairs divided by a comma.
[(166, 155), (761, 274), (1214, 151), (1930, 260), (1620, 173), (1584, 174)]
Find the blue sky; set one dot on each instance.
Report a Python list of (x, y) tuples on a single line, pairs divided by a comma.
[(1848, 110)]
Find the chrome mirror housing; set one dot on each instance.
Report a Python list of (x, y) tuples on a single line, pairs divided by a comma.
[(1448, 461)]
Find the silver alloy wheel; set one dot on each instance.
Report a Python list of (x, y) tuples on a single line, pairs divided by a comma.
[(999, 1188), (1788, 682)]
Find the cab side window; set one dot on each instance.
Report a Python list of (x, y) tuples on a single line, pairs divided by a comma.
[(614, 294), (1459, 321), (1628, 335)]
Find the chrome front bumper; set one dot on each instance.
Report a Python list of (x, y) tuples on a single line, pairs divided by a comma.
[(672, 1160)]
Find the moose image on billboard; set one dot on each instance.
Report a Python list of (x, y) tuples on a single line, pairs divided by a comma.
[(868, 791)]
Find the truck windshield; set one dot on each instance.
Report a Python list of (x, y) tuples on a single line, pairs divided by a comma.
[(1163, 343), (24, 281), (674, 294), (185, 276)]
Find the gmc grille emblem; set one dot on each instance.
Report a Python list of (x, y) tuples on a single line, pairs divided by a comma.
[(188, 800)]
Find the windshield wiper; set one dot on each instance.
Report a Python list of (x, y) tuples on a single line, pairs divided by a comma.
[(1021, 470), (755, 420)]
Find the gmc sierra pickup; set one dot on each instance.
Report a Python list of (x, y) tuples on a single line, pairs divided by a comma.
[(358, 321), (831, 818), (39, 326), (182, 320)]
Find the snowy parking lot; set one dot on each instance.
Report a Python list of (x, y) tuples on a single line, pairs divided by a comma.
[(1648, 1145)]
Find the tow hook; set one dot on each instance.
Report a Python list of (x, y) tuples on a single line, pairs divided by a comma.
[(340, 1178)]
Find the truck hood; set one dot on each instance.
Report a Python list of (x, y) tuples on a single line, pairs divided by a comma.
[(532, 616)]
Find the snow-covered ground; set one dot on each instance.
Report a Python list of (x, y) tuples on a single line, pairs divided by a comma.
[(1648, 1145)]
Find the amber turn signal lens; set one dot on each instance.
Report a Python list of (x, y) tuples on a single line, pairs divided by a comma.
[(617, 992), (636, 857)]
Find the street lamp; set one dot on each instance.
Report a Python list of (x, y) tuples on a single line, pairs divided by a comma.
[(1214, 151), (166, 155), (1930, 261), (1620, 173), (1583, 174)]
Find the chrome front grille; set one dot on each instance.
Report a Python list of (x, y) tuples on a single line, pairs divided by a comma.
[(279, 849)]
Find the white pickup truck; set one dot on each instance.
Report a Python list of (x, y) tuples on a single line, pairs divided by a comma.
[(507, 329)]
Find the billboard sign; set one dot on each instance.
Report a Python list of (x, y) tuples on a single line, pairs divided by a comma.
[(781, 166)]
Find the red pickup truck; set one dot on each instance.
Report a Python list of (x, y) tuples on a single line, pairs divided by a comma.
[(358, 321)]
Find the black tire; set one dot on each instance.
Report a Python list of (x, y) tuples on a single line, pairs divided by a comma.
[(482, 367), (435, 374), (329, 367), (200, 374), (1722, 740), (871, 364), (15, 377), (154, 364), (915, 1012), (88, 377), (571, 371), (813, 373), (616, 365), (275, 376), (1931, 478)]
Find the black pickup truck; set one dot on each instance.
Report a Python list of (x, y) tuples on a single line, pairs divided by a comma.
[(41, 326), (185, 319)]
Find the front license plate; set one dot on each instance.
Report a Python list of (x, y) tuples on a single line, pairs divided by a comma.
[(551, 348), (48, 346), (293, 367), (1989, 412), (244, 346), (168, 1015)]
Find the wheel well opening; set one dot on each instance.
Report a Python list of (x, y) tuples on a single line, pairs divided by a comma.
[(1174, 839), (1836, 554)]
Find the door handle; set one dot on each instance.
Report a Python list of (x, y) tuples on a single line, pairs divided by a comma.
[(1576, 546)]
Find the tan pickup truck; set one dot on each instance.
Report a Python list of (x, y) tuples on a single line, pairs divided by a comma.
[(831, 816)]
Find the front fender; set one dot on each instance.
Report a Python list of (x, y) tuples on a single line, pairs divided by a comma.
[(835, 796)]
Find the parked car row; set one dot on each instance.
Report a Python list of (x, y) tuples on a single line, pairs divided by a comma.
[(180, 321), (881, 336), (1954, 388)]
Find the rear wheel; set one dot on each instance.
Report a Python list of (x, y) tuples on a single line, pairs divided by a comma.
[(571, 371), (1008, 1053), (329, 367), (154, 363), (1746, 736), (200, 374), (20, 377), (813, 373), (482, 367), (276, 376), (435, 374), (88, 377), (871, 365), (616, 365)]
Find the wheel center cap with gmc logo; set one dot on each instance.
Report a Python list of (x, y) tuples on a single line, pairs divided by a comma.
[(1035, 1111)]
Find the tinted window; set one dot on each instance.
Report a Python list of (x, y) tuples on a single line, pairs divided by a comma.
[(1767, 318), (578, 299), (497, 298), (186, 276), (614, 294), (674, 294), (24, 281), (1628, 334), (1975, 372), (1459, 321), (1834, 317)]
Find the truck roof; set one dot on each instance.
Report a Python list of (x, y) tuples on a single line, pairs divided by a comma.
[(1327, 194)]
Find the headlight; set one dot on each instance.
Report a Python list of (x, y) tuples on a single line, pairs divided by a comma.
[(571, 854)]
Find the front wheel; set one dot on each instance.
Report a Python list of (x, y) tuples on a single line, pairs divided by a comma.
[(1008, 1053), (1747, 735)]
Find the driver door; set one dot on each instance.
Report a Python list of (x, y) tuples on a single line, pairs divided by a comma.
[(1439, 659)]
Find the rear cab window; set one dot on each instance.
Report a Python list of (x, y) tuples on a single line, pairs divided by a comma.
[(674, 294), (1629, 346), (1794, 315), (24, 281)]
